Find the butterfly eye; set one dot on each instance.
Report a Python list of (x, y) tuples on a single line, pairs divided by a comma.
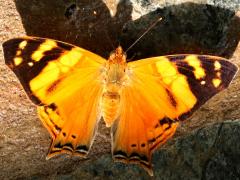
[(111, 56), (112, 53)]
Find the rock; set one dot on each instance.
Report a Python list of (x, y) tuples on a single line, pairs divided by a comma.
[(205, 147), (186, 27), (208, 153)]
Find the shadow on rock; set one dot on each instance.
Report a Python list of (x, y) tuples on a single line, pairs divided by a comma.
[(88, 24), (185, 28)]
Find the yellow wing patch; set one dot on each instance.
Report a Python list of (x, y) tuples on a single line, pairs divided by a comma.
[(43, 47), (216, 82), (194, 62), (17, 61), (22, 45)]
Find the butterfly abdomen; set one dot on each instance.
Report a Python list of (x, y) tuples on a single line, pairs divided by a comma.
[(110, 107)]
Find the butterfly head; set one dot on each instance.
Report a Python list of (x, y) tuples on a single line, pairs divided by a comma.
[(118, 56)]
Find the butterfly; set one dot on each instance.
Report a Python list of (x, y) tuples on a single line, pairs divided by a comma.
[(142, 101)]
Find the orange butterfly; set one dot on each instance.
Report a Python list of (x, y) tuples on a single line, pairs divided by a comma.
[(142, 101)]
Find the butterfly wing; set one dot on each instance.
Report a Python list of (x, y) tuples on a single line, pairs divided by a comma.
[(64, 81), (160, 92)]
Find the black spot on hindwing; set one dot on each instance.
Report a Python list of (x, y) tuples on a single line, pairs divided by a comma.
[(171, 98)]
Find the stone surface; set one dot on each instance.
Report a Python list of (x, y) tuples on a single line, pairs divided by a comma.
[(205, 146), (207, 153)]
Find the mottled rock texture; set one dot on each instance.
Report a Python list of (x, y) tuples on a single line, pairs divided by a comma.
[(208, 153), (205, 147)]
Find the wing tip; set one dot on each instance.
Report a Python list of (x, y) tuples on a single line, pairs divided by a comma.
[(10, 48), (64, 150), (134, 158)]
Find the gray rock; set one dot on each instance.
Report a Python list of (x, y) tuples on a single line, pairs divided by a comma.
[(153, 4), (229, 4), (211, 152)]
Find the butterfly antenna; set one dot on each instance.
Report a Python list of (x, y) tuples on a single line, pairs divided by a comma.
[(154, 24)]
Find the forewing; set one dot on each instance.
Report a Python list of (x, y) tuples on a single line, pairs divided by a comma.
[(44, 65), (160, 92), (187, 80), (64, 81)]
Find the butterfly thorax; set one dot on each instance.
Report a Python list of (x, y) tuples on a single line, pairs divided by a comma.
[(114, 79)]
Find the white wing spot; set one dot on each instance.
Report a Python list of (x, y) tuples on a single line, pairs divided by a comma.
[(30, 64), (217, 66)]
